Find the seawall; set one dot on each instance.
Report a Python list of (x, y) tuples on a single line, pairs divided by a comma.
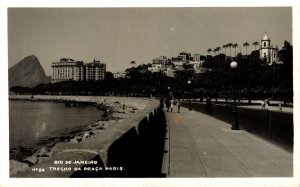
[(130, 147)]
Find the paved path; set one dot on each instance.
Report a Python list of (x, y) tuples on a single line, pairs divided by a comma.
[(202, 146)]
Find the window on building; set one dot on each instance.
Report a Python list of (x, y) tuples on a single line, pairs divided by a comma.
[(265, 55), (264, 44)]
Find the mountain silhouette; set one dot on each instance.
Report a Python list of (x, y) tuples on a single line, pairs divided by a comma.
[(27, 73)]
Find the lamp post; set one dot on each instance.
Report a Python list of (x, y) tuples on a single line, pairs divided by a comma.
[(190, 104), (153, 92), (235, 125)]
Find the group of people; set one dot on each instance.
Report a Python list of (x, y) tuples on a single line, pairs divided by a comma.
[(171, 103)]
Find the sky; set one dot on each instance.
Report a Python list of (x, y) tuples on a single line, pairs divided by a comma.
[(116, 36)]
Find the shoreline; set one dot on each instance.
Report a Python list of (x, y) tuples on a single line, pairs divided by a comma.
[(115, 110)]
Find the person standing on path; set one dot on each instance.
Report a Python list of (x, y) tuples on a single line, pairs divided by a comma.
[(266, 104), (172, 104), (208, 105), (161, 103), (168, 104), (178, 105), (280, 106)]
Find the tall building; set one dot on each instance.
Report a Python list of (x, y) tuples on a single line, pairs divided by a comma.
[(68, 69), (267, 51), (95, 71)]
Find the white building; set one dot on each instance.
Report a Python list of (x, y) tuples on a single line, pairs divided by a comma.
[(120, 75), (185, 57), (169, 72), (155, 68), (160, 64), (267, 51), (197, 57), (178, 64), (197, 66), (67, 69)]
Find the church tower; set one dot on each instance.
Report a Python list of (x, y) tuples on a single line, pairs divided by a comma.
[(267, 52)]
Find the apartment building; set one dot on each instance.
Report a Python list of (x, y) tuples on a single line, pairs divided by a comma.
[(68, 69), (95, 71)]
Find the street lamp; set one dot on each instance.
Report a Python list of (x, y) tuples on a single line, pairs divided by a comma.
[(153, 92), (235, 125), (168, 94), (190, 104)]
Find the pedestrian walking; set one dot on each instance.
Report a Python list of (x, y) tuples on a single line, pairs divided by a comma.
[(280, 105), (161, 104), (172, 104), (178, 105), (208, 105), (168, 104), (266, 104)]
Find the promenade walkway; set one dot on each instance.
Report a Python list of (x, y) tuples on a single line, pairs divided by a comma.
[(202, 146)]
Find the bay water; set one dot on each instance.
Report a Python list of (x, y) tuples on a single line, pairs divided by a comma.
[(33, 125)]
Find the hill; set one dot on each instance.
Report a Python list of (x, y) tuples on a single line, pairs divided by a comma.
[(27, 73)]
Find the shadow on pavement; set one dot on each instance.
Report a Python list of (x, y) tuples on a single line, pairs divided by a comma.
[(276, 127)]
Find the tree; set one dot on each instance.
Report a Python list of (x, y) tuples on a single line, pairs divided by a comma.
[(246, 44), (217, 49), (256, 43), (109, 76), (235, 45), (132, 63), (225, 46), (21, 90), (209, 50), (229, 45), (286, 72)]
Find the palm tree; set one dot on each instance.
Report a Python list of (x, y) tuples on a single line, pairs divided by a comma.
[(229, 45), (225, 46), (255, 44), (209, 50), (132, 63), (218, 49), (215, 50), (235, 45), (246, 44)]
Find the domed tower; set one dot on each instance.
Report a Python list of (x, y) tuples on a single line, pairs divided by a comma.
[(265, 41), (267, 52)]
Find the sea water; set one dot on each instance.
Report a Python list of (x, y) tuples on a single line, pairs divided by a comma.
[(32, 125)]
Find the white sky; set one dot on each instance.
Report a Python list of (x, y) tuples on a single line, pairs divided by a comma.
[(118, 35)]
